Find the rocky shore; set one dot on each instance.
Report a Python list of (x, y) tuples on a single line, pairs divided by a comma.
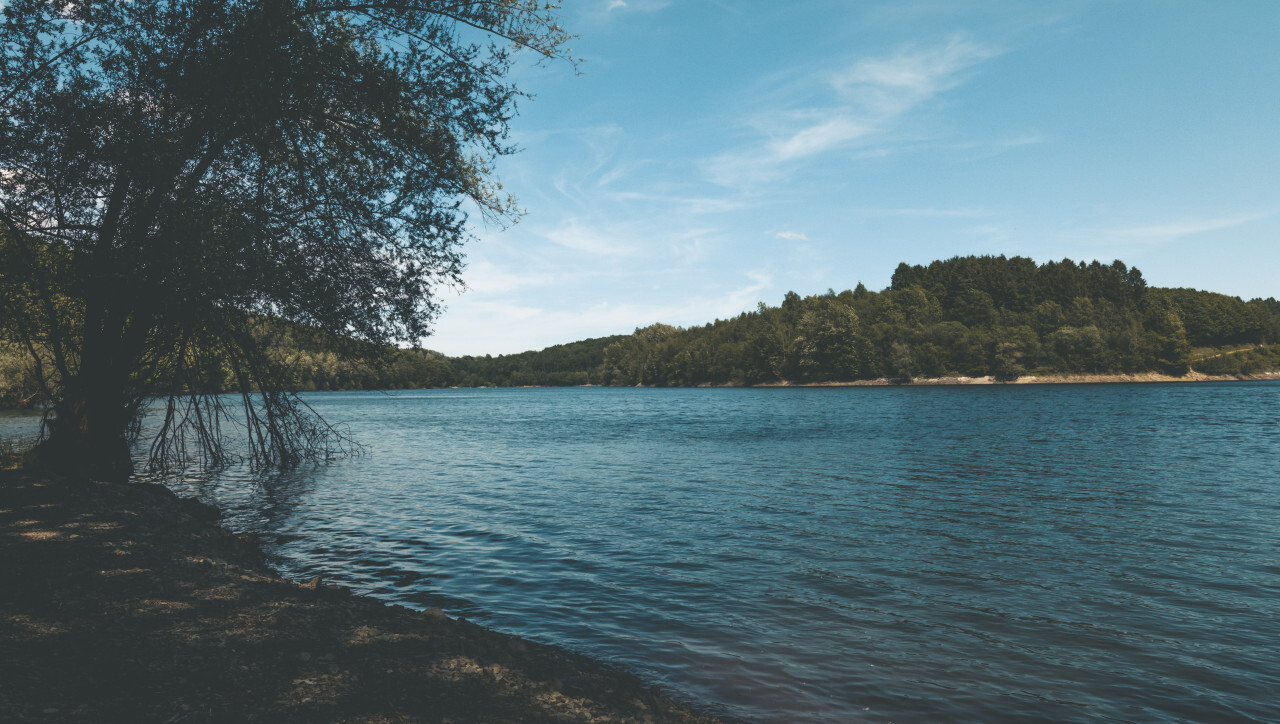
[(1053, 379), (126, 603)]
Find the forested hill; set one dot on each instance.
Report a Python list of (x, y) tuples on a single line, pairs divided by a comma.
[(967, 316)]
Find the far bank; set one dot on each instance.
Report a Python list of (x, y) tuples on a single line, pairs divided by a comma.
[(1191, 376)]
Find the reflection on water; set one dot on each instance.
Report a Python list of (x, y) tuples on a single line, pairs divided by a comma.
[(1066, 553)]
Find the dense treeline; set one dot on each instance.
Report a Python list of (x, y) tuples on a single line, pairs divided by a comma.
[(966, 316), (576, 363), (18, 386), (310, 360), (318, 361)]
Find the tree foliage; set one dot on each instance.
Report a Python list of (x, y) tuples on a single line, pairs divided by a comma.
[(173, 170), (967, 316)]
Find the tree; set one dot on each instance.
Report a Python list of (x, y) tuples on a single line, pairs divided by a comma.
[(1167, 338), (174, 174), (901, 365), (830, 342)]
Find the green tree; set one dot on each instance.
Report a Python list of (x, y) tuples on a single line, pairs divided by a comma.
[(901, 366), (1080, 349), (172, 170), (1167, 338), (830, 341), (1060, 317), (974, 308)]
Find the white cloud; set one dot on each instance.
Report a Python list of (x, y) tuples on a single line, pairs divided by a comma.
[(894, 83), (867, 99), (816, 139), (689, 246), (791, 236), (484, 277), (692, 205), (579, 237), (746, 296), (1185, 227), (478, 324), (1030, 138), (604, 11), (927, 212)]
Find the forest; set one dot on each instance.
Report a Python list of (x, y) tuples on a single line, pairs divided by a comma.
[(966, 316)]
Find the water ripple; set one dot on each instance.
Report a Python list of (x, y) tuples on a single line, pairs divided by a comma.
[(1065, 553)]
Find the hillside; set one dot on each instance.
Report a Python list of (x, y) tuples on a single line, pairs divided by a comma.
[(967, 316)]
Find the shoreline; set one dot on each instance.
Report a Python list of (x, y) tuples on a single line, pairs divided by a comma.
[(1050, 379), (1045, 379), (125, 602)]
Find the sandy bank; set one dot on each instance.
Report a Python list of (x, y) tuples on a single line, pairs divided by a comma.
[(126, 603), (1039, 380)]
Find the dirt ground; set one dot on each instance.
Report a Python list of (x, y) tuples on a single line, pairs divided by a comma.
[(124, 603)]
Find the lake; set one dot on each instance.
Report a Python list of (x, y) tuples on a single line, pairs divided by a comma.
[(996, 553)]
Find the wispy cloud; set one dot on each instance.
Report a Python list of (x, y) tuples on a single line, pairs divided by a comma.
[(865, 99), (890, 85), (485, 277), (922, 212), (691, 205), (1178, 229), (580, 237), (602, 11), (829, 134), (791, 236), (594, 162), (999, 145)]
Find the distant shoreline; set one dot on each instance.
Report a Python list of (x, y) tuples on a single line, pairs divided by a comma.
[(1055, 379), (1049, 379)]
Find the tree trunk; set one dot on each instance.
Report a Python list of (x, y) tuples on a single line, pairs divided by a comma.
[(89, 438), (89, 434)]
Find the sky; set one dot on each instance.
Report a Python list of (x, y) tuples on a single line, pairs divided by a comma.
[(708, 155)]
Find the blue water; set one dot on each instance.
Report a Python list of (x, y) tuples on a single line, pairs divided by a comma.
[(1010, 553), (20, 427)]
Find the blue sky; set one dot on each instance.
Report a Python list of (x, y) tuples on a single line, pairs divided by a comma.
[(712, 154)]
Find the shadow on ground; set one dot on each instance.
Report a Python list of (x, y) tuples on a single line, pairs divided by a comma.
[(126, 603)]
